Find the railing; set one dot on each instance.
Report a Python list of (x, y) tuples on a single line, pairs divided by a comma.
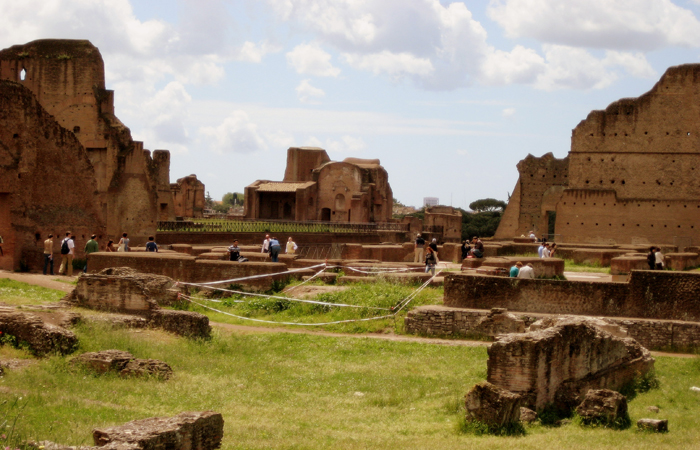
[(275, 226)]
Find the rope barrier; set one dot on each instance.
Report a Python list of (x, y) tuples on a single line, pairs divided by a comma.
[(252, 276)]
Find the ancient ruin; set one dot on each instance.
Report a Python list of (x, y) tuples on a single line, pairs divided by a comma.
[(630, 177), (316, 188), (123, 363), (67, 162)]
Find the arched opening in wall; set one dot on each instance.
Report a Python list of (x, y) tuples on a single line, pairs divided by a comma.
[(340, 202), (326, 214), (22, 74)]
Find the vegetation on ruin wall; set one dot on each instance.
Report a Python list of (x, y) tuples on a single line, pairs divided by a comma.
[(381, 294), (280, 390), (261, 226)]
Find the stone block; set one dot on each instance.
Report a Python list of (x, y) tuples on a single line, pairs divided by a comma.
[(492, 271), (146, 367), (186, 431), (123, 289), (559, 365), (656, 425), (183, 323), (604, 407), (104, 361), (527, 415), (43, 338), (472, 263), (623, 265), (499, 321), (492, 405), (681, 261)]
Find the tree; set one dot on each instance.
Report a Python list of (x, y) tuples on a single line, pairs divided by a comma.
[(208, 201), (232, 199), (488, 205)]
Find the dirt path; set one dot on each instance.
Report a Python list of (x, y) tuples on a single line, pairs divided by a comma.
[(37, 279)]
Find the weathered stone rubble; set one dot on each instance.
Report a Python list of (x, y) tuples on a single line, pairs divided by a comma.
[(492, 405), (43, 338), (604, 407), (186, 431), (122, 289), (527, 415), (124, 363), (559, 365), (499, 321), (125, 290), (657, 425)]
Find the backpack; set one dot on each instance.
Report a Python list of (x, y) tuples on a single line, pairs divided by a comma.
[(64, 247)]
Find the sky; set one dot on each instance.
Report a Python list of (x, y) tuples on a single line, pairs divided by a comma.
[(448, 95)]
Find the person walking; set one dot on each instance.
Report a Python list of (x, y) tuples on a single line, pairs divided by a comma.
[(434, 246), (291, 246), (67, 254), (430, 260), (659, 259), (651, 258), (48, 254), (418, 247), (90, 247)]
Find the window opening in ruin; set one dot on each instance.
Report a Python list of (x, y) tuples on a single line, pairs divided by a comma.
[(623, 181), (646, 132), (15, 136), (551, 222), (22, 74), (586, 181), (326, 214), (37, 236)]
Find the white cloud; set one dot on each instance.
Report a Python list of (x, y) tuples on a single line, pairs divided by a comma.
[(252, 52), (166, 114), (394, 64), (635, 64), (311, 59), (236, 134), (308, 93), (508, 112), (346, 144), (521, 65), (619, 25)]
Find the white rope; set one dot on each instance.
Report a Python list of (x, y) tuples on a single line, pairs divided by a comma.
[(310, 278), (381, 270), (292, 299), (252, 276)]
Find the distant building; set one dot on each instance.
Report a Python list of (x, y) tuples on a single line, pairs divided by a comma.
[(316, 188), (430, 201)]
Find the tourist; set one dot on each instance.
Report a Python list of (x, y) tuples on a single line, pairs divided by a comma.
[(234, 251), (527, 271), (123, 245), (434, 246), (478, 249), (430, 260), (48, 253), (651, 258), (532, 236), (90, 247), (275, 249), (67, 253), (515, 270), (659, 259), (540, 249), (291, 246), (151, 245), (110, 246), (552, 249), (545, 251), (266, 244), (2, 241), (465, 249), (418, 248)]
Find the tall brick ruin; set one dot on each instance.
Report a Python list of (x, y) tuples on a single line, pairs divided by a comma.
[(632, 172), (120, 186)]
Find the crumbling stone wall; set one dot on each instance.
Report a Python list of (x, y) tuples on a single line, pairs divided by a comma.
[(648, 294), (188, 197), (46, 182), (540, 184), (447, 217)]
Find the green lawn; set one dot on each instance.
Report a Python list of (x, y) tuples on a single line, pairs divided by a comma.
[(300, 391), (18, 293)]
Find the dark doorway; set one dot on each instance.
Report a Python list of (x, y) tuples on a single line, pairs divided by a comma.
[(326, 214), (287, 211), (551, 220)]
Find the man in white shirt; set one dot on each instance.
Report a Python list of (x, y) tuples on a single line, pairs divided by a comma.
[(266, 244), (67, 254), (545, 251), (540, 249), (527, 271)]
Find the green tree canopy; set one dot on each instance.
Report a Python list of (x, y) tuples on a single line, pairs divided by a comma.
[(487, 205), (232, 199)]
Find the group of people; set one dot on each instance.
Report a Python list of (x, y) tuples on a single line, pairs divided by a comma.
[(427, 253), (655, 259), (270, 245), (473, 248), (522, 271), (546, 250), (91, 246)]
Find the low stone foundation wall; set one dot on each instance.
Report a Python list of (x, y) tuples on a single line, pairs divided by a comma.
[(544, 267), (657, 294), (444, 321), (182, 267)]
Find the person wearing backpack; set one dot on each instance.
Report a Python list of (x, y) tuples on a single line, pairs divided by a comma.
[(67, 253)]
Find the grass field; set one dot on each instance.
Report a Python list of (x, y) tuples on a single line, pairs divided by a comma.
[(280, 391)]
